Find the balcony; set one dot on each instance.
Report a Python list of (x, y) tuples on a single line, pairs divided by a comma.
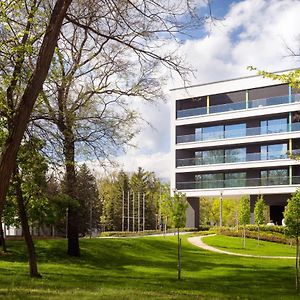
[(250, 131), (247, 157), (241, 182), (237, 106)]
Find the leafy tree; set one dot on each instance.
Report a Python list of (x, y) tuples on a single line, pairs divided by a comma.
[(33, 86), (229, 211), (88, 197), (259, 213), (244, 216), (205, 211), (292, 221)]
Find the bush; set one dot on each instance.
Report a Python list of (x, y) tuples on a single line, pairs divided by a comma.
[(265, 235)]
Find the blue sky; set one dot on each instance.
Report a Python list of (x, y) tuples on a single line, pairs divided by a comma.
[(250, 32)]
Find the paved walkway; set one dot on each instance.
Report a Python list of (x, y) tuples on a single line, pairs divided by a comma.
[(197, 241)]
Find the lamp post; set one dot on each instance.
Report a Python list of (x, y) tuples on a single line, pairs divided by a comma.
[(221, 209)]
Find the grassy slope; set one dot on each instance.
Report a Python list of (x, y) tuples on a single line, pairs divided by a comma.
[(235, 244), (143, 268)]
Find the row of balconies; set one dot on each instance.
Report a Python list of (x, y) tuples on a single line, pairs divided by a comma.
[(238, 106), (241, 182), (234, 158), (249, 131)]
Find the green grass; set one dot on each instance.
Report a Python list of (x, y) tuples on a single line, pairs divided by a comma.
[(142, 268), (235, 244)]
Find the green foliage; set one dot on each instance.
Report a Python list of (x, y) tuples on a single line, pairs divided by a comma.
[(244, 213), (259, 211), (251, 232), (292, 215), (230, 208), (292, 77), (118, 185), (175, 208)]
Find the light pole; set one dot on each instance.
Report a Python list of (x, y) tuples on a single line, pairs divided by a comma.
[(221, 209)]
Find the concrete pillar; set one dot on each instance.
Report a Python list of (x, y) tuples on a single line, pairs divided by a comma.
[(192, 213)]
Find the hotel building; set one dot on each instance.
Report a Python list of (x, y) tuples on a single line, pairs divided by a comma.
[(236, 137)]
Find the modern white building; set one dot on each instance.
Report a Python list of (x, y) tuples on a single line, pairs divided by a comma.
[(234, 138)]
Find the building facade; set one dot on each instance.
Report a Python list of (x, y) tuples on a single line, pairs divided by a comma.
[(233, 138)]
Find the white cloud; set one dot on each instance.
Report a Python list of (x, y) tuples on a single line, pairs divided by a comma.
[(254, 32)]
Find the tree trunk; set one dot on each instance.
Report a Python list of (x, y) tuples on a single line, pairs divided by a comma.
[(33, 270), (32, 90), (244, 237), (2, 238), (73, 234)]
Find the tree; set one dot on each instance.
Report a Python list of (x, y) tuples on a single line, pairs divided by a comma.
[(32, 87), (259, 213), (292, 221), (244, 216), (229, 211), (205, 211), (88, 197), (141, 28), (176, 208)]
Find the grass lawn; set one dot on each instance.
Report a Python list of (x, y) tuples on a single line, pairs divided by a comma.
[(142, 268), (235, 244)]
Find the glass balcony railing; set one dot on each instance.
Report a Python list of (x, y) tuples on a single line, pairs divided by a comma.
[(235, 133), (233, 158), (239, 182), (237, 106), (191, 112)]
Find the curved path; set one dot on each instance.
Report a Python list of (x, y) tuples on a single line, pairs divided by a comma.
[(197, 241)]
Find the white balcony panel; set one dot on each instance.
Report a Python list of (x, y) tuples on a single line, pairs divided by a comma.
[(239, 114), (238, 166), (239, 191), (240, 140)]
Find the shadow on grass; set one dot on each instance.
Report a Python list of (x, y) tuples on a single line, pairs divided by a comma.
[(145, 266)]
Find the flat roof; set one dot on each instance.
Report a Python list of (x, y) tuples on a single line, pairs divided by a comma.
[(231, 79)]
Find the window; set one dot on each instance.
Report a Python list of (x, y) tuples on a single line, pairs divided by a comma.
[(273, 126), (235, 155), (210, 181), (235, 179), (212, 133), (277, 151), (213, 157), (236, 130), (274, 177)]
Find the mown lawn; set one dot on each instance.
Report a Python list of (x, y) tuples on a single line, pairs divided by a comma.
[(235, 244), (142, 268)]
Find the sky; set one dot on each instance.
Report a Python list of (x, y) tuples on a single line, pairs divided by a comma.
[(250, 32)]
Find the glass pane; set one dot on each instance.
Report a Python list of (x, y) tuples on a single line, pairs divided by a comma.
[(235, 155), (278, 125), (264, 152), (277, 151), (213, 157), (235, 179), (213, 133), (236, 130), (198, 134)]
